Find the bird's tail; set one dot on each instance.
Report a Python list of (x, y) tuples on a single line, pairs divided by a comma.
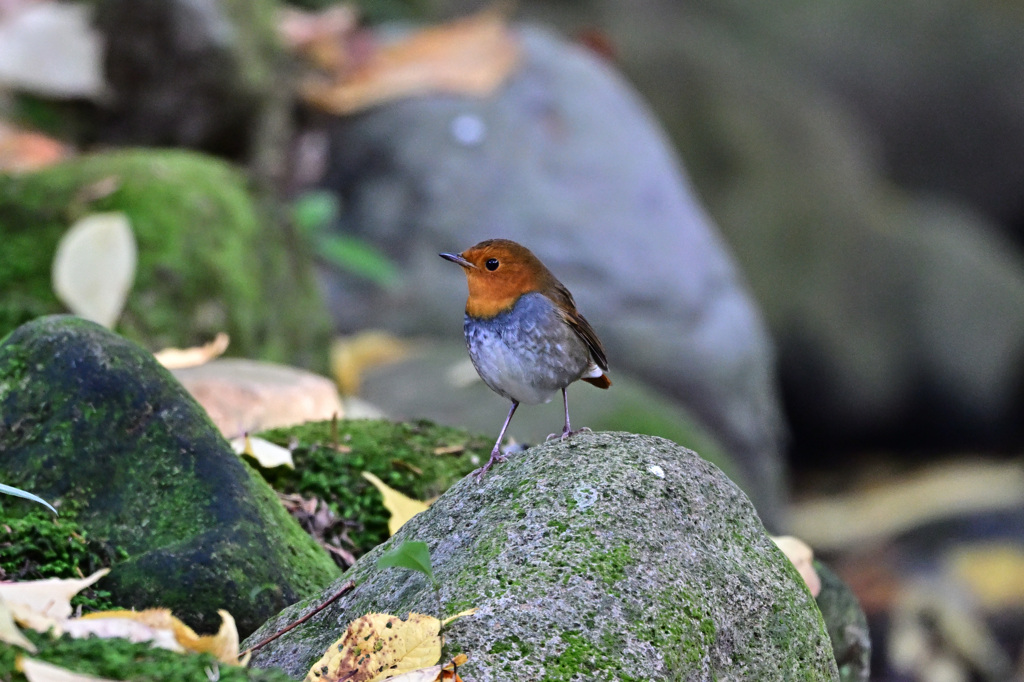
[(601, 382)]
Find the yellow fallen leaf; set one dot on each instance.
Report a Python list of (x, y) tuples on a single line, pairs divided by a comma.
[(802, 557), (993, 570), (108, 626), (178, 358), (44, 604), (9, 632), (470, 56), (223, 645), (435, 673), (268, 454), (352, 355), (379, 646), (167, 630), (402, 508), (39, 671), (461, 614)]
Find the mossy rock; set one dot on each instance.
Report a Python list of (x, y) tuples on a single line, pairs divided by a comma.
[(607, 556), (419, 459), (847, 626), (91, 420), (210, 259)]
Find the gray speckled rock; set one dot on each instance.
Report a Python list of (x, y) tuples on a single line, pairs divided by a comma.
[(566, 159), (609, 556)]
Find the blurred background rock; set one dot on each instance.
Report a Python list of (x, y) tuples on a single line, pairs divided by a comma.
[(853, 191)]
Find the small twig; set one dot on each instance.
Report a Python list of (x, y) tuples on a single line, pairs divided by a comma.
[(345, 589)]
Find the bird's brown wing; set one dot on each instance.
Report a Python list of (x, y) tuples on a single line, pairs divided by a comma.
[(579, 324)]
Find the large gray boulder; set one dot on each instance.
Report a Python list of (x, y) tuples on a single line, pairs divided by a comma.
[(606, 556), (566, 159), (855, 156)]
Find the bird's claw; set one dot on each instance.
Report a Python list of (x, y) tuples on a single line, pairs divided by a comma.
[(496, 458), (567, 434)]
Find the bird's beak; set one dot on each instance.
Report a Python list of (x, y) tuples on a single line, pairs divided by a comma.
[(457, 259)]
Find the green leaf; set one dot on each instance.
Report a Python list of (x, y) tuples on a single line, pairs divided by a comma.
[(313, 212), (410, 554), (18, 492), (358, 258)]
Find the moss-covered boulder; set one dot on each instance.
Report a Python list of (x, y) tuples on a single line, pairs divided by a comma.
[(608, 556), (90, 420), (210, 259)]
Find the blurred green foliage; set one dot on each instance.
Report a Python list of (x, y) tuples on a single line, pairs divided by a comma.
[(313, 213)]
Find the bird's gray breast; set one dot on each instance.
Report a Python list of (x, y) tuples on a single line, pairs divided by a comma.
[(528, 352)]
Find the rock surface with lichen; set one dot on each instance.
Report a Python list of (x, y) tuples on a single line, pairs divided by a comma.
[(90, 421), (609, 556)]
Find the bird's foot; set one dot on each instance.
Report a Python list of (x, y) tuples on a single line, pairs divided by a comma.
[(496, 458), (566, 433)]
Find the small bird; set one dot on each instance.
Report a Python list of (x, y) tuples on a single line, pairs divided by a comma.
[(524, 334)]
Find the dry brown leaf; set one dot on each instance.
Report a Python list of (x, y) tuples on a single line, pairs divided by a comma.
[(402, 507), (379, 646), (323, 37), (178, 358), (470, 56), (44, 604), (40, 671), (23, 150)]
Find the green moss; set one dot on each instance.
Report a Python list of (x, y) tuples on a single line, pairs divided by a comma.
[(330, 458), (39, 545), (559, 526), (208, 259), (685, 640), (582, 660), (611, 565), (120, 659)]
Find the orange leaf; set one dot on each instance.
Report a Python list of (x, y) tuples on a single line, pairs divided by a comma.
[(471, 56)]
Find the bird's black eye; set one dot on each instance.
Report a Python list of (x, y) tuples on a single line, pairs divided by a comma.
[(491, 264)]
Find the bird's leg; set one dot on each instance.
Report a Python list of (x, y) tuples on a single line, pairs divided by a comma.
[(566, 430), (496, 455)]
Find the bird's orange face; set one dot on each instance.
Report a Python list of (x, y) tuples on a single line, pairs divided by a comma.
[(498, 272)]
